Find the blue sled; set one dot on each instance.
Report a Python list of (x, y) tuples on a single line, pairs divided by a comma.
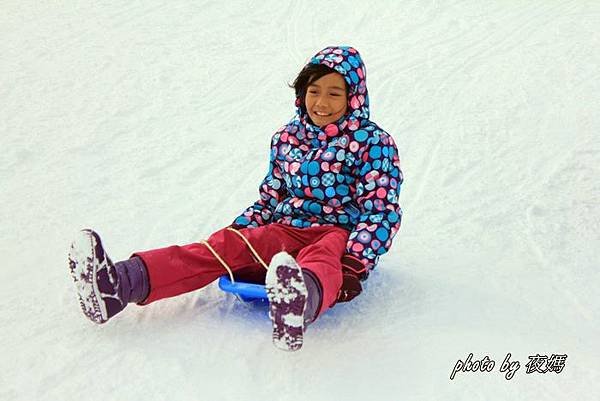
[(245, 291)]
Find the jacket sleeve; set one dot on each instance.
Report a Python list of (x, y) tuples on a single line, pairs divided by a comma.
[(271, 190), (377, 190)]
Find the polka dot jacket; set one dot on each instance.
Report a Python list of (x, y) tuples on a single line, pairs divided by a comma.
[(346, 173)]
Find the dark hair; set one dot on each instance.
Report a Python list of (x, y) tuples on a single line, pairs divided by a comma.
[(309, 74)]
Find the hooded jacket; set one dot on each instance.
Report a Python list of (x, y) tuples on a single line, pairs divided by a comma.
[(346, 173)]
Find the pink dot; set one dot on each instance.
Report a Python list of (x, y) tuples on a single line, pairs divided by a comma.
[(331, 130), (359, 71), (354, 103), (325, 166), (357, 247), (354, 146), (381, 193)]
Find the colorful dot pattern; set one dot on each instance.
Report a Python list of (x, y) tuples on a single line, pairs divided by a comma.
[(345, 174)]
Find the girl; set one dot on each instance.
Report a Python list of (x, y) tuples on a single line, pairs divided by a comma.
[(328, 209)]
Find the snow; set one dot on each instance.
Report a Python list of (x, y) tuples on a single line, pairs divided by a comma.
[(151, 121)]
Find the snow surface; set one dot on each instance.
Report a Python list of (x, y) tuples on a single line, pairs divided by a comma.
[(150, 122)]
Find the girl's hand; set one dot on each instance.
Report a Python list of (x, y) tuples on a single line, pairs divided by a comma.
[(352, 271)]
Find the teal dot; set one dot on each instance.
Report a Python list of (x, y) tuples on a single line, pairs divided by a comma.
[(317, 193), (242, 220), (393, 217), (313, 168), (352, 60), (375, 152), (315, 208), (366, 168), (330, 192), (361, 135), (342, 189), (354, 77), (382, 234)]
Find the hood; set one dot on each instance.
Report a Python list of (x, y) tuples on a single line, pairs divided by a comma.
[(347, 61)]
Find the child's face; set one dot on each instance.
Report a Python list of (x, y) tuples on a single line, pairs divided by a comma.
[(326, 99)]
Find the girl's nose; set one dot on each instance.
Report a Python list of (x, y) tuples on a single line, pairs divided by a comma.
[(321, 101)]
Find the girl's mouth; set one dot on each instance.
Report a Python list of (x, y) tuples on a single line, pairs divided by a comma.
[(322, 114)]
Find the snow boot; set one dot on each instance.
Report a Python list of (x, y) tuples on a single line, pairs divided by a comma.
[(103, 288), (288, 301)]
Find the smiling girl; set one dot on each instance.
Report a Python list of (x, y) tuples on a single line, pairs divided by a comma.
[(328, 209)]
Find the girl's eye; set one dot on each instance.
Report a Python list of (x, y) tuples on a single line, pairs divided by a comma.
[(313, 92)]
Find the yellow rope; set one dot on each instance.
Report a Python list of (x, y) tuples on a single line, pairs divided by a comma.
[(256, 255), (225, 265), (210, 248)]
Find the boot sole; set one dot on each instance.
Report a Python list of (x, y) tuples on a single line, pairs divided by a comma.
[(287, 296), (83, 265)]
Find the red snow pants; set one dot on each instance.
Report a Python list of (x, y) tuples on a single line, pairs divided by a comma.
[(176, 269)]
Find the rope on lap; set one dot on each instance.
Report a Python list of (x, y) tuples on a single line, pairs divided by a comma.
[(256, 255), (216, 255), (225, 265)]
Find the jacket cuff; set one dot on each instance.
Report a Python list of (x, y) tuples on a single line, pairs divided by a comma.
[(354, 264)]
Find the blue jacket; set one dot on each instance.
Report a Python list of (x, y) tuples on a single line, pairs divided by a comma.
[(346, 173)]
